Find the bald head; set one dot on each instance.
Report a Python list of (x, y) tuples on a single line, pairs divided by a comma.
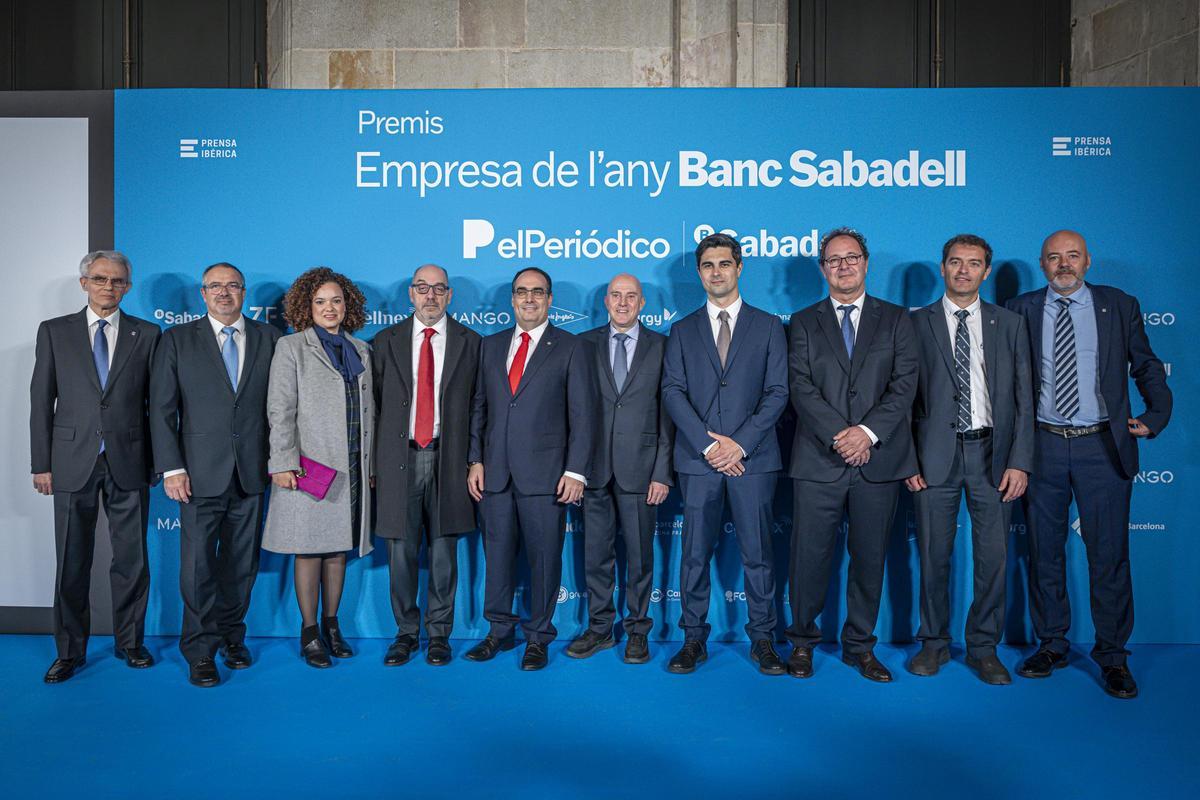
[(430, 294), (624, 301), (1065, 260), (431, 273)]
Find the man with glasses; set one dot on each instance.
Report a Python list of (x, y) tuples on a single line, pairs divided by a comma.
[(89, 444), (852, 368), (208, 417), (533, 426), (424, 378)]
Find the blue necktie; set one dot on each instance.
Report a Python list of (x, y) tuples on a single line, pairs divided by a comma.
[(847, 328), (229, 355), (620, 361), (100, 356), (1066, 373), (962, 369)]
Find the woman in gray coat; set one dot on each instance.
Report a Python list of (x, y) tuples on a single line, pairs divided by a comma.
[(320, 404)]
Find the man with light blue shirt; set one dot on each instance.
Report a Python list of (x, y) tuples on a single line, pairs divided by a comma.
[(631, 471), (1086, 341)]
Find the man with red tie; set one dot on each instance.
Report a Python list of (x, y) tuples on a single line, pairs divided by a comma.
[(424, 377), (532, 430)]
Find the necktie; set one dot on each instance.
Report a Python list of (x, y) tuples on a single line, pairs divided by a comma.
[(847, 328), (423, 430), (962, 370), (1066, 376), (100, 353), (518, 365), (620, 364), (723, 337), (229, 355)]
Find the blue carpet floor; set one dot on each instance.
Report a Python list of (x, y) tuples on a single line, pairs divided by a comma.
[(595, 728)]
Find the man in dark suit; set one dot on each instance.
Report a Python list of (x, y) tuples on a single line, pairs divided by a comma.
[(853, 371), (973, 423), (1086, 341), (725, 386), (424, 377), (533, 423), (631, 471), (90, 444), (208, 420)]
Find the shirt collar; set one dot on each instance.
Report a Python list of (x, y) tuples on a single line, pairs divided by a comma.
[(113, 319), (1082, 295), (951, 309), (419, 327), (218, 326), (733, 309), (535, 335), (857, 303), (632, 333)]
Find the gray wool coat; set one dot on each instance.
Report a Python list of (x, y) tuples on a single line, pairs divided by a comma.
[(306, 408)]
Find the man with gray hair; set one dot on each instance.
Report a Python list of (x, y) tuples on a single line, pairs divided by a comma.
[(89, 444)]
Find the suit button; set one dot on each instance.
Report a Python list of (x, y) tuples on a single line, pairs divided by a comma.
[(404, 402), (956, 398), (952, 425), (723, 383), (618, 405), (512, 405), (401, 466), (853, 392), (236, 436), (99, 432), (404, 436), (104, 406), (236, 406)]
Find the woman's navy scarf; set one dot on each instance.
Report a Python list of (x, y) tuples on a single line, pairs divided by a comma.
[(341, 352)]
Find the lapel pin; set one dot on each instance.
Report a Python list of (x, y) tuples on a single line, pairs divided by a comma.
[(133, 333)]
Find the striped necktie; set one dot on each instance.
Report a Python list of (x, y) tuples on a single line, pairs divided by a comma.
[(962, 369), (1066, 373)]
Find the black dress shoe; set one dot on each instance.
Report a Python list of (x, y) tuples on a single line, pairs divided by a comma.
[(338, 647), (637, 649), (400, 650), (535, 657), (137, 657), (1119, 682), (438, 654), (489, 647), (63, 668), (590, 643), (315, 654), (990, 670), (929, 661), (800, 662), (692, 653), (762, 652), (236, 656), (203, 673), (1042, 663), (868, 666)]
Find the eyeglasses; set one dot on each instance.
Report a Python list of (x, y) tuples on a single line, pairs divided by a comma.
[(100, 281), (216, 287), (439, 289), (852, 260), (537, 294)]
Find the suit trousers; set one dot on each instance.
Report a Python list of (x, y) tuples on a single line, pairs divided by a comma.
[(75, 515), (511, 519), (404, 557), (220, 539), (605, 509), (818, 510), (937, 524), (1087, 468), (748, 498)]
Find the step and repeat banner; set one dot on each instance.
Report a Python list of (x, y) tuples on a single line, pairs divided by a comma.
[(585, 184)]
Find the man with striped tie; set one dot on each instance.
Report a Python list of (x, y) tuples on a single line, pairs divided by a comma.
[(973, 427), (1086, 341)]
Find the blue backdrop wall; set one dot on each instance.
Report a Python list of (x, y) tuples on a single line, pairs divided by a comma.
[(586, 183)]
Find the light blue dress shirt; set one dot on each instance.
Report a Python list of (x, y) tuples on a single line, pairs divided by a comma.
[(630, 343), (1087, 360)]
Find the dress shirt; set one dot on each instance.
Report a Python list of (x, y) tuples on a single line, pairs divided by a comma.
[(715, 323), (1087, 361), (854, 320), (535, 336), (438, 343), (630, 344), (110, 332), (981, 403)]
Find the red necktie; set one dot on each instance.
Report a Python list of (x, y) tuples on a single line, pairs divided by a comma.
[(423, 430), (518, 365)]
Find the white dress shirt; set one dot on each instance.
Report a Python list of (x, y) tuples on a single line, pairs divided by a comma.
[(535, 336), (438, 343), (110, 331), (714, 322), (981, 404), (855, 316)]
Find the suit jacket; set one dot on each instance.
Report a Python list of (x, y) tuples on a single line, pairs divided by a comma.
[(69, 414), (395, 392), (547, 427), (743, 401), (1124, 352), (197, 421), (636, 434), (831, 391), (1006, 371)]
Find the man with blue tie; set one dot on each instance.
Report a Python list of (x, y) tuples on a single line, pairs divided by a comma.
[(208, 417), (1086, 341), (725, 386), (89, 444)]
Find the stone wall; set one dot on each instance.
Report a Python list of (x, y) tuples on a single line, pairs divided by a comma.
[(1135, 42), (525, 43)]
